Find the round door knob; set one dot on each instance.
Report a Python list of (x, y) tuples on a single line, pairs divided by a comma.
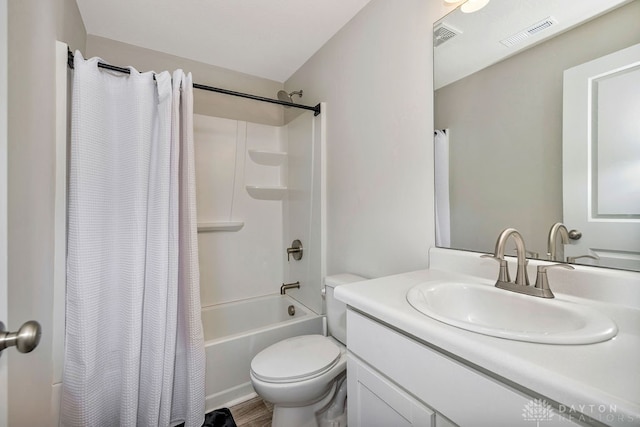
[(25, 340), (575, 234)]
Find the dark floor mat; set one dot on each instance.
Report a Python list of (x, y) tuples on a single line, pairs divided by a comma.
[(219, 418)]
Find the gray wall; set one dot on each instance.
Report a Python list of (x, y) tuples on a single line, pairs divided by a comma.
[(207, 103), (506, 134), (33, 27), (376, 77), (70, 28)]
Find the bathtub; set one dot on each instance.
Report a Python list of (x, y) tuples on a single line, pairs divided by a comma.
[(235, 332)]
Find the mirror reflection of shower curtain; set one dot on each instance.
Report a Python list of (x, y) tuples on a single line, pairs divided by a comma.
[(441, 154)]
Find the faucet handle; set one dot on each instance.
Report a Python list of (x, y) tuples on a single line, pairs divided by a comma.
[(542, 281), (503, 275), (572, 259), (295, 250), (531, 254), (544, 268)]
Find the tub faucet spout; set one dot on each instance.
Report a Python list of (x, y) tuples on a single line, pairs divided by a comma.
[(285, 286)]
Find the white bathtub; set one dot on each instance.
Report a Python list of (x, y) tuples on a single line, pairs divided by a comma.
[(235, 332)]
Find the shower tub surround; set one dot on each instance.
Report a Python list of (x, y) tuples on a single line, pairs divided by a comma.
[(257, 189), (245, 263), (235, 332)]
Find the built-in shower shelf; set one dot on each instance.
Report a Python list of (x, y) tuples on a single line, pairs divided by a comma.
[(266, 192), (204, 227), (268, 158)]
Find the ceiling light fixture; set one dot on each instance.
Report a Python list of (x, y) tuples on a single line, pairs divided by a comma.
[(473, 5)]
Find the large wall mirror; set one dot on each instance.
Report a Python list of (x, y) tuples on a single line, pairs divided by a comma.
[(537, 118)]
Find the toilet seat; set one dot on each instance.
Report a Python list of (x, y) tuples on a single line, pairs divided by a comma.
[(296, 359)]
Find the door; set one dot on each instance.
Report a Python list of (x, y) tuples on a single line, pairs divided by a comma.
[(3, 202), (601, 158), (25, 293)]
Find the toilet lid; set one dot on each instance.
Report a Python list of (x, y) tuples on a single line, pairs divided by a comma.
[(295, 358)]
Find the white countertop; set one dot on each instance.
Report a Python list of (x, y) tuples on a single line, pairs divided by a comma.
[(601, 380)]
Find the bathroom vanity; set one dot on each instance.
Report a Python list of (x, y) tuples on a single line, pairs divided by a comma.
[(408, 369)]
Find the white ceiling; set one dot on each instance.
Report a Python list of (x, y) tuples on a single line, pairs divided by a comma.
[(265, 38), (478, 45)]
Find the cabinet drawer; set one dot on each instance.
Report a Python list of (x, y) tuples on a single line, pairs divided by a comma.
[(464, 395)]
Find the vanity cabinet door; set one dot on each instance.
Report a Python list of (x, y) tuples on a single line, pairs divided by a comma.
[(376, 402), (466, 396)]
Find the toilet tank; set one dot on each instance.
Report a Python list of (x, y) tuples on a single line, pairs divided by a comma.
[(337, 310)]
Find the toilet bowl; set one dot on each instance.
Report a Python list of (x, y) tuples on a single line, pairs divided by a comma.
[(304, 376)]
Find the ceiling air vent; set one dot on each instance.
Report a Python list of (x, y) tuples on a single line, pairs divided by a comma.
[(525, 34), (442, 33)]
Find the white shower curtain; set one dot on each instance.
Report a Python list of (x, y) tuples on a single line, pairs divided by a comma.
[(443, 221), (134, 347)]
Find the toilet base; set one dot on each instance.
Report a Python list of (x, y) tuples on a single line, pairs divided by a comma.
[(340, 421), (307, 416)]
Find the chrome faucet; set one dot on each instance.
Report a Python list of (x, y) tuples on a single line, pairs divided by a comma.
[(521, 285), (552, 252), (285, 286)]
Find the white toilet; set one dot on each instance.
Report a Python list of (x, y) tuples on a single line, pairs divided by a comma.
[(304, 376)]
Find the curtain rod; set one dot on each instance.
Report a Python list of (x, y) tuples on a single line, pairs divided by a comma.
[(316, 109)]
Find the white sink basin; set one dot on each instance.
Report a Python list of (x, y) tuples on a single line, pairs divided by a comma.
[(491, 311)]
